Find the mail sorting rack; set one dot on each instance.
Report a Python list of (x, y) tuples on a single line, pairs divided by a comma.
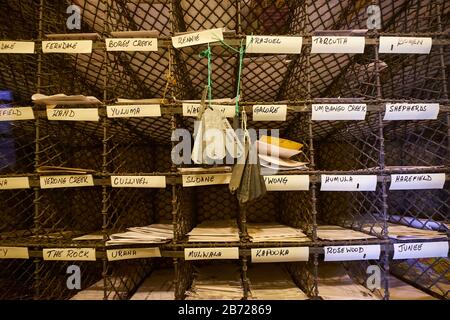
[(419, 143), (17, 144), (301, 275), (240, 274)]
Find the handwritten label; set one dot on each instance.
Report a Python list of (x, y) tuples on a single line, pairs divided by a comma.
[(348, 182), (411, 111), (270, 112), (69, 254), (14, 253), (417, 181), (67, 46), (133, 111), (20, 113), (131, 44), (211, 253), (132, 253), (405, 45), (287, 183), (138, 181), (340, 111), (349, 253), (192, 109), (85, 114), (281, 254), (412, 250), (51, 182), (195, 38), (14, 183), (194, 180), (16, 47), (273, 44), (337, 44)]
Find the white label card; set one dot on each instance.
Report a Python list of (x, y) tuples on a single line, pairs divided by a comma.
[(405, 45), (138, 181), (287, 182), (19, 113), (211, 253), (67, 46), (16, 47), (280, 254), (192, 109), (69, 254), (350, 253), (348, 182), (14, 253), (66, 181), (276, 112), (337, 44), (273, 44), (411, 111), (411, 250), (131, 44), (417, 181), (133, 111), (195, 38), (14, 183), (194, 180), (353, 111), (82, 114), (132, 253)]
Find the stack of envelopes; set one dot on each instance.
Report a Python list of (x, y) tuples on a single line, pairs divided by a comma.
[(216, 282), (272, 282), (215, 231), (276, 153), (273, 232), (154, 233)]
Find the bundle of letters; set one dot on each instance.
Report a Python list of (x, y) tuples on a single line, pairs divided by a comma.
[(216, 282), (215, 231), (154, 233), (272, 282), (401, 232), (275, 154), (273, 232)]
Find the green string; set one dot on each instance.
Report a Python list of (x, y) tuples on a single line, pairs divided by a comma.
[(241, 58), (207, 53)]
